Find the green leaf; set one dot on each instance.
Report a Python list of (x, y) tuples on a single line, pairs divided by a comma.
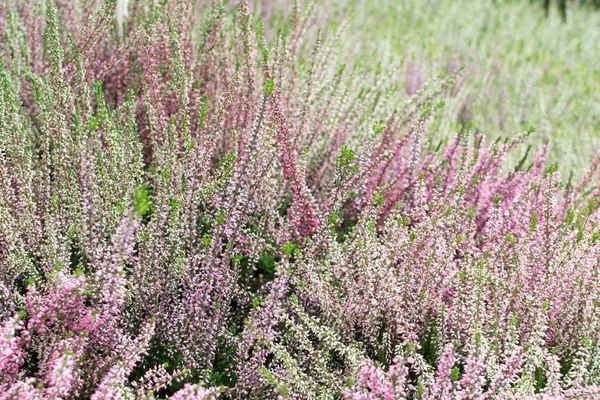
[(206, 240), (269, 87), (289, 249), (142, 200), (570, 216), (455, 374), (534, 221), (510, 238), (256, 302), (346, 156), (379, 127)]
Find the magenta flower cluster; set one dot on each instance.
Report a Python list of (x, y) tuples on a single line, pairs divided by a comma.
[(197, 206)]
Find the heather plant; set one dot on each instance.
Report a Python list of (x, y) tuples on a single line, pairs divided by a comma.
[(193, 206)]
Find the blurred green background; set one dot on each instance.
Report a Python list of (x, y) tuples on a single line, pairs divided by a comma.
[(522, 66)]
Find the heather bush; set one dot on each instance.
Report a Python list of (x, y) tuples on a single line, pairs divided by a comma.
[(194, 206)]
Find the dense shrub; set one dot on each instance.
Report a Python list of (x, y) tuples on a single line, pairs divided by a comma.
[(191, 209)]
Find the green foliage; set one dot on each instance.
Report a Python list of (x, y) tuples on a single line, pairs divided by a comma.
[(455, 374), (269, 87), (142, 200), (289, 249), (533, 222), (379, 127), (346, 157)]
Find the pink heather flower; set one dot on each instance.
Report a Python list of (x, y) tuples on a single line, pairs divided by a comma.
[(12, 350)]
